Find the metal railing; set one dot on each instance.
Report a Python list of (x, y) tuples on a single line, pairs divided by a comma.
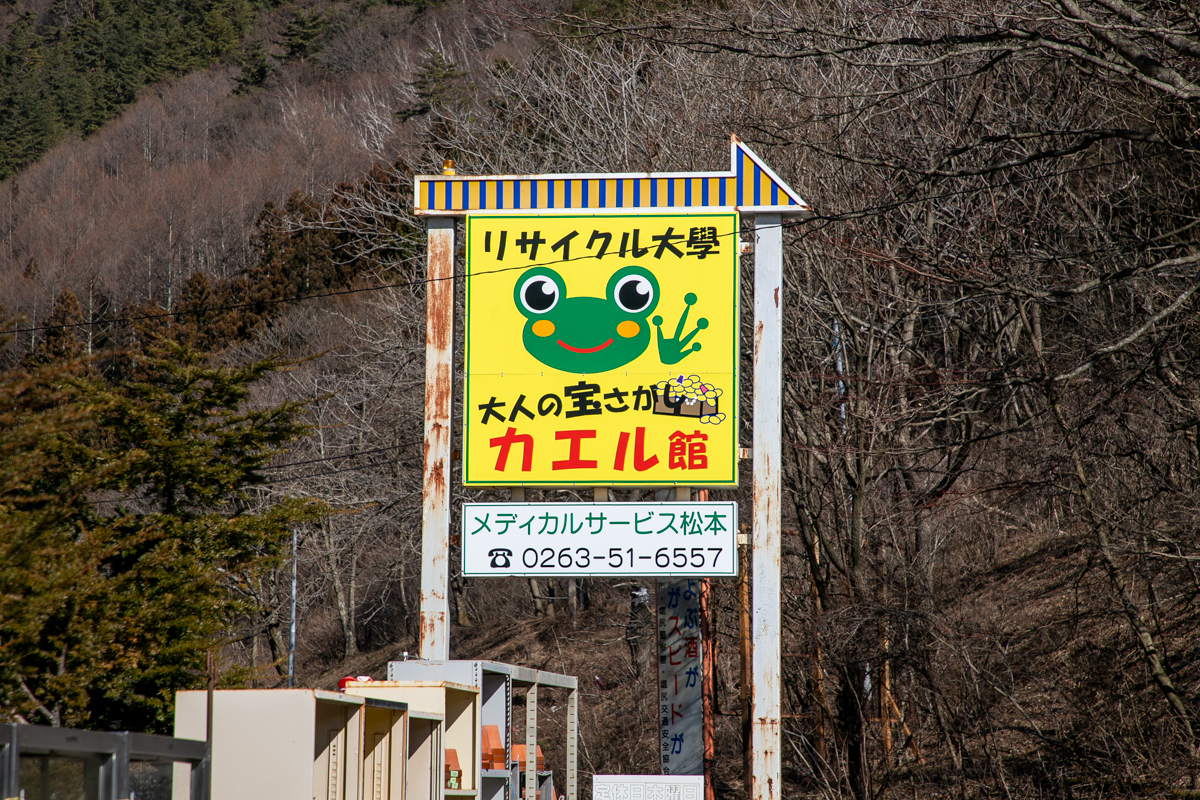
[(91, 764)]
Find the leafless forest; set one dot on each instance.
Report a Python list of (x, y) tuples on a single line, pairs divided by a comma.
[(992, 359)]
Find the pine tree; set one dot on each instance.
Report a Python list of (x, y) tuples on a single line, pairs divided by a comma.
[(194, 321), (224, 24), (439, 82), (77, 67), (302, 34), (256, 66), (128, 518), (28, 121), (48, 542), (61, 342)]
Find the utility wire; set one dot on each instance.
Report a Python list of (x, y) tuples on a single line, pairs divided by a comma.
[(288, 478), (355, 454), (815, 218), (300, 298)]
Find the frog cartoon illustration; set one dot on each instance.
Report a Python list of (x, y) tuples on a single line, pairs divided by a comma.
[(596, 334)]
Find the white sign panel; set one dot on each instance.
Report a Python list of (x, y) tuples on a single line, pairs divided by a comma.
[(599, 539), (680, 677), (647, 787)]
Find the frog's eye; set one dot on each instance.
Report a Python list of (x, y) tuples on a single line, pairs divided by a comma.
[(538, 294), (633, 293)]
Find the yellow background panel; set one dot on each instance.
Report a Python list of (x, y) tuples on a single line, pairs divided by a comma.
[(630, 446)]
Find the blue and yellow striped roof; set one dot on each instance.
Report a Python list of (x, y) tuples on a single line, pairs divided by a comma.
[(749, 187)]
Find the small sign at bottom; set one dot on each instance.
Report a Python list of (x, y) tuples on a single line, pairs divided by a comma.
[(647, 787)]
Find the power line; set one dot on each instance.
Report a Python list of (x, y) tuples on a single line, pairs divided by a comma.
[(815, 218), (355, 454), (287, 478), (301, 298), (290, 478)]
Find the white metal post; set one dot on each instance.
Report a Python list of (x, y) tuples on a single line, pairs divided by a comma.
[(439, 355), (573, 744), (291, 679), (765, 545), (531, 709)]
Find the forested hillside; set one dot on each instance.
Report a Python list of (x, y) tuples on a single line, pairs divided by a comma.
[(68, 67), (992, 392)]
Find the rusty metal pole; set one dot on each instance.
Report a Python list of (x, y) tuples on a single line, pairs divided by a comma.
[(439, 363), (210, 666), (743, 592), (765, 535), (707, 672), (707, 691), (531, 726), (210, 670)]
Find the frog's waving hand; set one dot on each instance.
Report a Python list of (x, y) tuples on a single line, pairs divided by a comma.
[(586, 334), (675, 349)]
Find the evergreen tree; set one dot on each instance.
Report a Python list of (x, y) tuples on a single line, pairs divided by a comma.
[(196, 322), (225, 22), (49, 542), (301, 37), (297, 256), (28, 122), (439, 82), (256, 66), (61, 340), (127, 519), (78, 68)]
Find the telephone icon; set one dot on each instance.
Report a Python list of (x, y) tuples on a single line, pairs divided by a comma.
[(500, 558)]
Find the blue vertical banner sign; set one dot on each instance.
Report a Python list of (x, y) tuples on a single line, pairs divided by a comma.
[(680, 677)]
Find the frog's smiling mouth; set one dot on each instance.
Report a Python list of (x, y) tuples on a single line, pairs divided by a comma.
[(597, 348)]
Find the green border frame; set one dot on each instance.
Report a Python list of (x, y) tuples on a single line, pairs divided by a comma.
[(735, 418)]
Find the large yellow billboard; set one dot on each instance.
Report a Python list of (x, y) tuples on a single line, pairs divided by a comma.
[(601, 350)]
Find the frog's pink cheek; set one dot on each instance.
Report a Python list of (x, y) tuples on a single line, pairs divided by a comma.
[(543, 328), (628, 329)]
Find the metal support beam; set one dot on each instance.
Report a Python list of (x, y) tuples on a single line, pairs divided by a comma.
[(10, 762), (706, 691), (106, 757), (531, 710), (118, 766), (201, 777), (573, 744), (291, 678), (439, 355), (765, 541)]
